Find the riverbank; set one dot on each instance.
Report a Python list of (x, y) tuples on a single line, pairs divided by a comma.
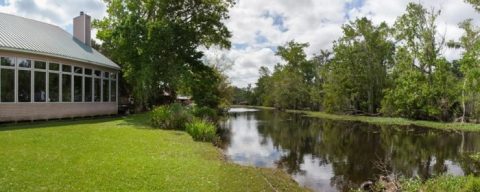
[(384, 120), (121, 154)]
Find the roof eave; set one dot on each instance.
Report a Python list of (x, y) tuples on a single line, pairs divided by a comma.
[(59, 56)]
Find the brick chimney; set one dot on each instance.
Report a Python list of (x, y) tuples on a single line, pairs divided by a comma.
[(82, 28)]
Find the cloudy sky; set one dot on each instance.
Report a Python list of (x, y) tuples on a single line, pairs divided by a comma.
[(259, 26)]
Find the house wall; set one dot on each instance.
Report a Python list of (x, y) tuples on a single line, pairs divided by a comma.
[(17, 111), (44, 111)]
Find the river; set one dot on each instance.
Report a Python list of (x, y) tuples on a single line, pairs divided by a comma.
[(326, 155)]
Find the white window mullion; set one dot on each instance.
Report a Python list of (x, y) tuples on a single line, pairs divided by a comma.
[(109, 89), (32, 78), (72, 99), (83, 87), (116, 85), (16, 80), (47, 81), (101, 87), (60, 82)]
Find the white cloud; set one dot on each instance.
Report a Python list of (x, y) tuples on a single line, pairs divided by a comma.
[(56, 12), (259, 26)]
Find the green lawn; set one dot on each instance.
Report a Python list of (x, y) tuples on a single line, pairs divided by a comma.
[(121, 154), (385, 120)]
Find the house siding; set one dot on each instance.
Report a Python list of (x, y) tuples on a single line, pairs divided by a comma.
[(44, 111)]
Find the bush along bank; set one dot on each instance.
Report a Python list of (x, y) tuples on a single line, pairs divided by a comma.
[(196, 121)]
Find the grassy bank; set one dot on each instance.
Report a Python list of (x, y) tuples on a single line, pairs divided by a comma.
[(443, 184), (121, 154), (386, 120)]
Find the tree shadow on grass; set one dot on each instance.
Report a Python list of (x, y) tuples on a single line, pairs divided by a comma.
[(56, 123), (137, 120)]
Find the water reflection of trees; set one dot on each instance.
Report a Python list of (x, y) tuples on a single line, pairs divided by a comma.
[(354, 149)]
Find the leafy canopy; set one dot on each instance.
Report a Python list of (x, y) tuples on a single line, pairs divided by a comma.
[(156, 41)]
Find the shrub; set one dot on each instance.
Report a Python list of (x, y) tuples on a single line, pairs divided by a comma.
[(161, 117), (170, 117), (202, 130), (205, 113)]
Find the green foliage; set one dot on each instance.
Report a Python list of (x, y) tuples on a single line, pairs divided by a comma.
[(356, 77), (424, 85), (443, 184), (173, 116), (475, 157), (205, 113), (202, 130), (475, 3), (242, 96), (394, 71), (210, 88), (289, 85), (156, 42)]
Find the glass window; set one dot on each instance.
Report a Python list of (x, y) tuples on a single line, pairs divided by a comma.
[(113, 93), (25, 63), (106, 75), (7, 61), (78, 70), (40, 86), (54, 66), (53, 87), (98, 73), (77, 89), (88, 72), (88, 89), (24, 86), (97, 90), (66, 88), (66, 68), (40, 65), (106, 91), (113, 76), (7, 85)]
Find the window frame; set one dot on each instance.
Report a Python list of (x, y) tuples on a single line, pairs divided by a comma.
[(57, 72), (82, 76), (14, 68), (46, 80), (17, 70), (109, 75)]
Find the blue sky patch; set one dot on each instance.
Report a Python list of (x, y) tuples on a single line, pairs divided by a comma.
[(260, 39), (353, 4), (2, 2), (69, 28), (278, 20), (240, 46)]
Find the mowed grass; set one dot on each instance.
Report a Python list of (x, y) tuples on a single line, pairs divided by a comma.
[(121, 154), (453, 126)]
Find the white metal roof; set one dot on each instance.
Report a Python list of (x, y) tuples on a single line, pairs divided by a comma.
[(29, 36)]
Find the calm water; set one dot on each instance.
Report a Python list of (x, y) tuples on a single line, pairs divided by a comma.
[(327, 155)]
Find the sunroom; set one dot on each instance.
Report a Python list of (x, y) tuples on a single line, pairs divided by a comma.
[(46, 73)]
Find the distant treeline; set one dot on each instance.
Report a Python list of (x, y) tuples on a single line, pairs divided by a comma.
[(379, 70)]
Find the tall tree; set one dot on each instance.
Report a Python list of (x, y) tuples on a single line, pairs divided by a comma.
[(263, 88), (292, 80), (424, 85), (357, 76), (317, 93), (470, 68), (156, 42)]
